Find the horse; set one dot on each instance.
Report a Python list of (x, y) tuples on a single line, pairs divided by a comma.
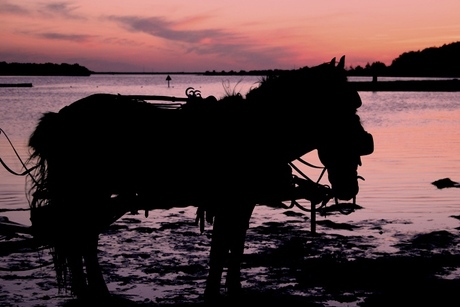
[(106, 155)]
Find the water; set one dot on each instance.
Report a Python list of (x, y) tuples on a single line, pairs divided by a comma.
[(20, 109), (417, 141)]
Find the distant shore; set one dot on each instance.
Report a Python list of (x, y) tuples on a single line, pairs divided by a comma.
[(451, 85), (15, 84), (447, 84)]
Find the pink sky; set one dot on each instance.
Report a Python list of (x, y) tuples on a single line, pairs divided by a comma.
[(174, 36)]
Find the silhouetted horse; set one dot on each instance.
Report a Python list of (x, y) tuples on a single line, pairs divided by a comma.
[(106, 155)]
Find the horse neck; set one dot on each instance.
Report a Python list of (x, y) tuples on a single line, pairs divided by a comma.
[(291, 135), (298, 144)]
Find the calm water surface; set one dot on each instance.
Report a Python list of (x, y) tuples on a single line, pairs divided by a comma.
[(417, 141)]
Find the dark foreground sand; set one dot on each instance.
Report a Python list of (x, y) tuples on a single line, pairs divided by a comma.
[(162, 261)]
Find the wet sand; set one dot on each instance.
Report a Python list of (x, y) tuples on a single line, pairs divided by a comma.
[(162, 261)]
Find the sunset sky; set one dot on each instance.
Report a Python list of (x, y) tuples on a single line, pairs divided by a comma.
[(189, 36)]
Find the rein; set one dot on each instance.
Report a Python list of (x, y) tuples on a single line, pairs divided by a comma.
[(27, 170), (309, 164), (326, 198), (326, 188)]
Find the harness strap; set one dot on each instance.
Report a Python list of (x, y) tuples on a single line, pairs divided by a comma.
[(27, 170), (309, 164)]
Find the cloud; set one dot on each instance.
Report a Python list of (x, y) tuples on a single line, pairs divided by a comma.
[(79, 38), (205, 41), (160, 27), (7, 8), (122, 42), (60, 9), (53, 9)]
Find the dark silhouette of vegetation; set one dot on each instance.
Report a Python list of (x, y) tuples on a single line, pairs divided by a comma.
[(264, 72), (430, 62), (47, 69), (441, 61)]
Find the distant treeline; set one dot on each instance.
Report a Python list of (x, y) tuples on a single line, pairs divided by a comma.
[(263, 72), (430, 62), (441, 61), (47, 69)]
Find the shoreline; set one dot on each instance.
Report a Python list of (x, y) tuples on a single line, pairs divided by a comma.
[(452, 85), (448, 85), (15, 84)]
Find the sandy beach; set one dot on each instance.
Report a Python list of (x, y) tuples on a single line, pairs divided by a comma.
[(162, 261)]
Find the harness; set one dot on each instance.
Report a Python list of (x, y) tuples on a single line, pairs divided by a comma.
[(323, 192), (302, 186), (27, 170), (342, 208)]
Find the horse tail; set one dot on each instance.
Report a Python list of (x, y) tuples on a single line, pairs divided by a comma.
[(45, 216), (42, 142)]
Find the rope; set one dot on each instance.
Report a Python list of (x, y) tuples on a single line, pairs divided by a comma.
[(342, 210), (293, 201), (309, 164), (27, 170), (299, 171)]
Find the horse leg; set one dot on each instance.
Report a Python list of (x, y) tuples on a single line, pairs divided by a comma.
[(228, 235), (86, 275), (237, 242), (219, 251), (78, 285), (96, 284), (87, 281)]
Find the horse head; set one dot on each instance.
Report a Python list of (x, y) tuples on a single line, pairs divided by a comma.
[(316, 108), (343, 141), (341, 152)]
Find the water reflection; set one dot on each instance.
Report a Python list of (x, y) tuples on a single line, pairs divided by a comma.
[(417, 140)]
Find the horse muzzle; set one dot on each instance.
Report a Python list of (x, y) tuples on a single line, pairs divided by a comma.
[(365, 144), (344, 186), (346, 194)]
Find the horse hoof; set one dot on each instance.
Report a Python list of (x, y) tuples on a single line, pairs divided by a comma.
[(233, 289), (212, 297), (94, 296)]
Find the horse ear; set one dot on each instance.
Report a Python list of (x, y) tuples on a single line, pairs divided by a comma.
[(332, 63), (341, 64)]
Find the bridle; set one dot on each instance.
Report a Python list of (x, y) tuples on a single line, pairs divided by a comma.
[(344, 208)]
